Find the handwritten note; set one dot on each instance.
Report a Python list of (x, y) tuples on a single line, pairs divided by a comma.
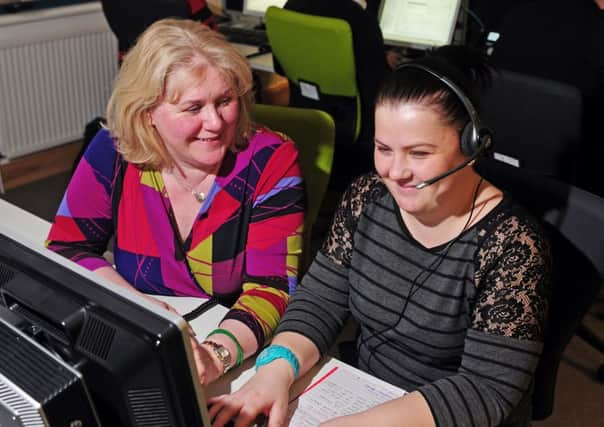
[(342, 391)]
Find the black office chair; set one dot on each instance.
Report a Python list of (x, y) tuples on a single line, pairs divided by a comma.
[(128, 19), (536, 122), (574, 220)]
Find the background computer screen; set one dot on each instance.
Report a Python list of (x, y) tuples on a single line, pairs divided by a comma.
[(233, 5), (258, 7), (419, 24), (135, 359)]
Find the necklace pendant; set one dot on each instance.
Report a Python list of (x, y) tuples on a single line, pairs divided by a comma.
[(199, 196)]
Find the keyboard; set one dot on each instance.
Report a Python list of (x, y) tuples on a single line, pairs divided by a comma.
[(243, 35)]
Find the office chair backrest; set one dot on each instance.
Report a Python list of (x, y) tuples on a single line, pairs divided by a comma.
[(574, 220), (128, 19), (318, 51), (536, 123), (313, 131)]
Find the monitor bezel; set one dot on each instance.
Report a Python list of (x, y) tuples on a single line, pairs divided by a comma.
[(255, 12), (96, 288)]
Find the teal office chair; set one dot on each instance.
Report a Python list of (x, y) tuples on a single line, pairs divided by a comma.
[(313, 131)]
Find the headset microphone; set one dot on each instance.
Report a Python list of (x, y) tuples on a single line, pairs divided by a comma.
[(459, 167), (475, 138)]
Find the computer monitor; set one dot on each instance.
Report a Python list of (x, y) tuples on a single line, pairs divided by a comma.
[(233, 5), (131, 362), (258, 7), (418, 24)]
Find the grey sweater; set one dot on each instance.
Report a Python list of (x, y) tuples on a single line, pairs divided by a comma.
[(462, 323)]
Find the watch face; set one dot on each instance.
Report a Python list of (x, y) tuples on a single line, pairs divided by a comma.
[(225, 355)]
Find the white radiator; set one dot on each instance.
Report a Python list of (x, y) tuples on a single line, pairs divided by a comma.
[(56, 70)]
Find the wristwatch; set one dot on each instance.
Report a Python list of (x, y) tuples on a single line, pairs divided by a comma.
[(222, 353)]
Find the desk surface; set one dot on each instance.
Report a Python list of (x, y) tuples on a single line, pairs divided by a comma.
[(262, 62), (34, 230)]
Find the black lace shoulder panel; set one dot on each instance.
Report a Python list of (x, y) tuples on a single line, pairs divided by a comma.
[(513, 276), (361, 192)]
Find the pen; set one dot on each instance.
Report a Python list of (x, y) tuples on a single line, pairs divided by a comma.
[(316, 383)]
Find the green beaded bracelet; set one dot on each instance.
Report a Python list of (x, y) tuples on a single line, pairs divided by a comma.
[(231, 336)]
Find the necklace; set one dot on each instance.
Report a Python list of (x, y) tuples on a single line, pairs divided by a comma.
[(200, 196)]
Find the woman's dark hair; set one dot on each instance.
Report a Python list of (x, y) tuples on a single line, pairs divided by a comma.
[(466, 68)]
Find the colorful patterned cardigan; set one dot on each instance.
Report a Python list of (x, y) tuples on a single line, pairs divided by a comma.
[(244, 246)]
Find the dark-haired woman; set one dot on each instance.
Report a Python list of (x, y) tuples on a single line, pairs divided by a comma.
[(444, 273)]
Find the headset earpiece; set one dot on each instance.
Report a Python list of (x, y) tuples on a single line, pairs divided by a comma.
[(468, 142), (473, 144), (473, 136)]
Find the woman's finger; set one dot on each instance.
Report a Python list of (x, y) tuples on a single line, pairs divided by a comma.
[(217, 399), (201, 368), (215, 405), (225, 413), (247, 415), (277, 415)]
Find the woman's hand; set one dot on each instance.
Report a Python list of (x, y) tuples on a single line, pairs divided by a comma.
[(159, 302), (266, 393), (209, 367)]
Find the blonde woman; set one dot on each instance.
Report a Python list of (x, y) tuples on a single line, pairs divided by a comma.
[(201, 201)]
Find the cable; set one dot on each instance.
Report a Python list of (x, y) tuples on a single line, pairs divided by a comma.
[(476, 18), (416, 285)]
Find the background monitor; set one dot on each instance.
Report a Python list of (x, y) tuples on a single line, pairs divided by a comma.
[(133, 358), (233, 5), (419, 24), (258, 7)]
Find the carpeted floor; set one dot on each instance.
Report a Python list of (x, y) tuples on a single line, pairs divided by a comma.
[(579, 396)]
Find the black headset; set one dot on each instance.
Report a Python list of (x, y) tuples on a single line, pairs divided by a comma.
[(475, 138)]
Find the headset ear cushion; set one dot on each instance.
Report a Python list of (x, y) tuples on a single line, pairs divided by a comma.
[(468, 145)]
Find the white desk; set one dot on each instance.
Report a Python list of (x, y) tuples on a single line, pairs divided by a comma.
[(30, 226), (34, 230)]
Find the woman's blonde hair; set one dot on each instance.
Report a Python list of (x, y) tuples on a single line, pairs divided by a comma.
[(165, 48)]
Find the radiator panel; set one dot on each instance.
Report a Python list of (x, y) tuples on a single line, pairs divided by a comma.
[(53, 84)]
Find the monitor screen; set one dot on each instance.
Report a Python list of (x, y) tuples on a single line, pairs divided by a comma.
[(258, 7), (134, 359), (419, 24), (233, 5)]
